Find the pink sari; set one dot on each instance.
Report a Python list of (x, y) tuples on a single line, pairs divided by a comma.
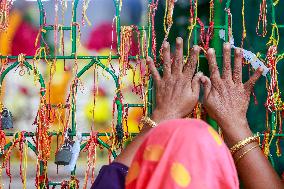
[(183, 153)]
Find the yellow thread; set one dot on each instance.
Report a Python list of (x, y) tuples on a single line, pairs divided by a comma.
[(243, 19), (274, 33), (190, 29), (85, 7), (275, 2), (25, 165)]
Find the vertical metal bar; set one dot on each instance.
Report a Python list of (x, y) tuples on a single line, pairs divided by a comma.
[(74, 27), (195, 41), (41, 13), (274, 113), (216, 44), (227, 21), (150, 83), (41, 23), (118, 24)]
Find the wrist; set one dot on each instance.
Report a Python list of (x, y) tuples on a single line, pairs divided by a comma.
[(235, 131), (158, 116)]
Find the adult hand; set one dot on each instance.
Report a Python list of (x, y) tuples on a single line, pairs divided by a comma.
[(177, 91), (226, 98)]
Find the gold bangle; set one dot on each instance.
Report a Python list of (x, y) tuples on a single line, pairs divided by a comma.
[(148, 121), (247, 151), (243, 143)]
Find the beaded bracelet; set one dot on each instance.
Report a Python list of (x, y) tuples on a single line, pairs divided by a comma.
[(243, 143), (247, 151), (148, 121)]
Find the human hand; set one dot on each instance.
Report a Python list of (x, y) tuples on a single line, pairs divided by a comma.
[(177, 91), (226, 98)]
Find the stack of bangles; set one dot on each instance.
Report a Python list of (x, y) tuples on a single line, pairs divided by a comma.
[(241, 144), (146, 121)]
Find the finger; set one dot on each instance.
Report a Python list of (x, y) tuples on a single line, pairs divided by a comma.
[(213, 67), (196, 83), (237, 75), (206, 85), (167, 59), (177, 65), (253, 79), (227, 70), (190, 66), (154, 71)]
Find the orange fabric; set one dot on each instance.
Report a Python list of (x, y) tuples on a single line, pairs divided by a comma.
[(182, 154)]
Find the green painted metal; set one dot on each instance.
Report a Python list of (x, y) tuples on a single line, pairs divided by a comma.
[(6, 71), (96, 61), (215, 43)]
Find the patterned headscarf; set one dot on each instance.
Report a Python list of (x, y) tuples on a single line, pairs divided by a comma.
[(183, 153)]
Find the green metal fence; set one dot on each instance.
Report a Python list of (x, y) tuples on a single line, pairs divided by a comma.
[(216, 43)]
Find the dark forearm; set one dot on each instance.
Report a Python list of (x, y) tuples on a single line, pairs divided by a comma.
[(254, 169), (127, 155)]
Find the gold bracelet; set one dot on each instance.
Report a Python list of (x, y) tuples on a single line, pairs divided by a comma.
[(148, 121), (247, 151), (243, 143)]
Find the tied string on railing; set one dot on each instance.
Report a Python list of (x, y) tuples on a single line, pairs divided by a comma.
[(268, 137), (5, 7), (117, 129), (205, 37), (84, 13), (43, 141), (272, 103), (192, 23), (244, 33), (124, 51), (37, 58), (279, 120), (91, 149), (265, 143), (140, 81), (20, 140), (70, 104), (4, 62), (40, 38), (78, 39), (55, 39), (2, 141), (73, 183), (151, 19), (21, 60), (168, 18), (262, 19)]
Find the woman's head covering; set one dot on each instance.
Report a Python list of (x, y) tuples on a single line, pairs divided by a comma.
[(183, 153)]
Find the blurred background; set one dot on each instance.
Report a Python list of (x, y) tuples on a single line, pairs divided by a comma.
[(20, 94)]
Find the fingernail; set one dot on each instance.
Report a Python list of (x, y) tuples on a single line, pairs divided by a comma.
[(196, 48), (179, 40), (211, 51), (227, 45), (238, 50), (166, 44), (199, 73)]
